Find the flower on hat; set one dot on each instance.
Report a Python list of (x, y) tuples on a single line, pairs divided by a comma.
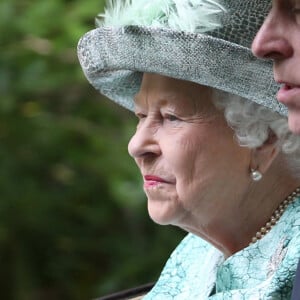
[(190, 16)]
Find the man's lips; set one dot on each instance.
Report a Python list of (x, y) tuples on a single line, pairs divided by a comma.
[(288, 86), (289, 94)]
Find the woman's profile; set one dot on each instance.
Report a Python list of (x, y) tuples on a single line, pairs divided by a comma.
[(212, 143)]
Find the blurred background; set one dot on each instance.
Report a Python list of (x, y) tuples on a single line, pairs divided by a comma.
[(73, 217)]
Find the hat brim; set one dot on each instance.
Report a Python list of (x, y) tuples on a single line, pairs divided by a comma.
[(114, 59)]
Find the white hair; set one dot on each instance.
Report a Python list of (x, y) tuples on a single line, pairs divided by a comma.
[(253, 124)]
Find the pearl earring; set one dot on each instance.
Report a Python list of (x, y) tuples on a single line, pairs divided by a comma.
[(256, 175)]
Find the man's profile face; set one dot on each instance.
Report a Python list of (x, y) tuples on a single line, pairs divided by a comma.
[(279, 39)]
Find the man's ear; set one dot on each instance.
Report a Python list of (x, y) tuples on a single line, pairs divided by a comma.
[(263, 156)]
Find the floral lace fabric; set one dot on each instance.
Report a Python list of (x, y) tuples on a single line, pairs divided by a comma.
[(262, 271)]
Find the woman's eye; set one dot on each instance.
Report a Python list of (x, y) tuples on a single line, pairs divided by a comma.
[(171, 118)]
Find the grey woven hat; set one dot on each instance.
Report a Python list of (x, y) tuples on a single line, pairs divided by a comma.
[(204, 41)]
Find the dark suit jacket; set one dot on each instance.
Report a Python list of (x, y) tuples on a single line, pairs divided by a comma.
[(296, 288)]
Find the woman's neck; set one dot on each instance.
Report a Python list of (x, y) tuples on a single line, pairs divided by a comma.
[(235, 228)]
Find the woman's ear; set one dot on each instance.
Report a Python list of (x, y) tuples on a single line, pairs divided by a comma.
[(263, 156)]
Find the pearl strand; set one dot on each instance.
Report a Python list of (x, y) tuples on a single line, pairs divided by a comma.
[(276, 216)]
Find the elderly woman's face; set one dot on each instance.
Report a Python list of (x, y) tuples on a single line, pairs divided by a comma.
[(190, 162)]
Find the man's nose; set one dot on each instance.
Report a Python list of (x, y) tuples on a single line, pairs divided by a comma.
[(270, 41)]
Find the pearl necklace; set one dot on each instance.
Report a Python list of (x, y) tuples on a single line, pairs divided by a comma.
[(276, 216)]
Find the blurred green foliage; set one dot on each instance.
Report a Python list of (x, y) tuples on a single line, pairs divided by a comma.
[(73, 219)]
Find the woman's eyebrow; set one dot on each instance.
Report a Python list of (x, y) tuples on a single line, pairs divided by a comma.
[(163, 98)]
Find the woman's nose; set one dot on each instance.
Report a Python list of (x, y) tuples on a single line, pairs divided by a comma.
[(144, 143), (270, 41)]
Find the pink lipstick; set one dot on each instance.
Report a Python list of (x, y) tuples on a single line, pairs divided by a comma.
[(153, 181)]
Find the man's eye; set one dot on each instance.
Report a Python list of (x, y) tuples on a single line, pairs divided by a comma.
[(296, 14), (296, 10)]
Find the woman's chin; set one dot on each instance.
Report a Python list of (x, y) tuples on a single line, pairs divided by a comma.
[(159, 214), (159, 218)]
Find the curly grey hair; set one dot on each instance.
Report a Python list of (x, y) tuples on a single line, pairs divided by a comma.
[(254, 123)]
